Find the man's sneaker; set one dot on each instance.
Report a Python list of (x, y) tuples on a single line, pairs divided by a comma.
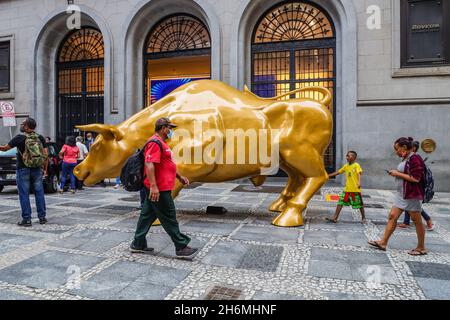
[(24, 223), (135, 249), (43, 221), (186, 252)]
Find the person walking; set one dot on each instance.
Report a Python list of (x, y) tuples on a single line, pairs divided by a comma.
[(409, 195), (159, 177), (83, 154), (352, 193), (89, 141), (32, 162), (69, 153), (425, 215)]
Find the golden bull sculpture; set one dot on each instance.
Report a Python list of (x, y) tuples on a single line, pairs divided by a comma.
[(210, 114)]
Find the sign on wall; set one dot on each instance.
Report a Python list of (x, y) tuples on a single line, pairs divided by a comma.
[(8, 113)]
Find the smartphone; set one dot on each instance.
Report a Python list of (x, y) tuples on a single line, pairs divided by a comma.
[(388, 171)]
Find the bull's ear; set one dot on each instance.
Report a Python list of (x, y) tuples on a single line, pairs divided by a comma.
[(107, 131)]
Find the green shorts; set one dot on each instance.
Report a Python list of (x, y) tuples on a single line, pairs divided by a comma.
[(353, 199)]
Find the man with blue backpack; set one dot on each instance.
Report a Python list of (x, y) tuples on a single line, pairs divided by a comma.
[(159, 175)]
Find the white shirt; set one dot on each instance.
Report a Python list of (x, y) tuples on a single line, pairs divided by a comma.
[(83, 151)]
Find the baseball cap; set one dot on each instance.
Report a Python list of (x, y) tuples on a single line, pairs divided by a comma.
[(164, 122)]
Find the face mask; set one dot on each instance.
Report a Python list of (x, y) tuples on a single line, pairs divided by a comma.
[(170, 134)]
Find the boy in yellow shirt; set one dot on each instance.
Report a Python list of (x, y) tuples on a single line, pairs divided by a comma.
[(352, 192)]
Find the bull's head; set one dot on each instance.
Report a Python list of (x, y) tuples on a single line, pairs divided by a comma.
[(107, 154)]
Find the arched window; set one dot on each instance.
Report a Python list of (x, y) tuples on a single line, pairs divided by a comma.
[(177, 51), (293, 46), (85, 44), (80, 85)]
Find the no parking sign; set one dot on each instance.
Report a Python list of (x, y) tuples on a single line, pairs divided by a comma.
[(8, 113)]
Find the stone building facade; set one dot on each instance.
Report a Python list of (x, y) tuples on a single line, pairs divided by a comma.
[(366, 52)]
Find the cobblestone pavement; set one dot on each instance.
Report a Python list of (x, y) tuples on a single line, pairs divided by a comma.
[(83, 252)]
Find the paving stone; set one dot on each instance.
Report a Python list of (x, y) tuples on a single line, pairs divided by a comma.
[(78, 218), (4, 208), (435, 289), (143, 291), (48, 270), (409, 242), (93, 240), (226, 254), (268, 234), (263, 295), (429, 270), (346, 296), (359, 266), (320, 237), (210, 227), (10, 242), (261, 258), (81, 204), (12, 295), (330, 269), (130, 280), (341, 225)]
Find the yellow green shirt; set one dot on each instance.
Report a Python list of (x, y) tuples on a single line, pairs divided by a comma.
[(351, 172)]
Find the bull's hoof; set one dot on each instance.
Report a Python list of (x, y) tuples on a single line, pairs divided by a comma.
[(290, 217), (278, 206), (156, 223)]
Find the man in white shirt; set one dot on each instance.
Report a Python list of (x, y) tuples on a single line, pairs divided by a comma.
[(83, 154)]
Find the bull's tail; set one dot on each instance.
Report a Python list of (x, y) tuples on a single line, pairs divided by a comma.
[(319, 94)]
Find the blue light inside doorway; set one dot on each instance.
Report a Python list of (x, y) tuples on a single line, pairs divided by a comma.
[(161, 88)]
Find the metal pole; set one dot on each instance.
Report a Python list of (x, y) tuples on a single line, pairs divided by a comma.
[(10, 133)]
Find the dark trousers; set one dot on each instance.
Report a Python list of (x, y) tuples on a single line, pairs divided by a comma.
[(27, 178), (79, 183), (164, 210), (407, 219), (67, 168), (144, 195)]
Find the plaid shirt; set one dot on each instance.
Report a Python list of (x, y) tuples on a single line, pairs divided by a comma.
[(414, 167)]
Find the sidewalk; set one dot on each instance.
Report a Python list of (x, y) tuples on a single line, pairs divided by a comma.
[(83, 252)]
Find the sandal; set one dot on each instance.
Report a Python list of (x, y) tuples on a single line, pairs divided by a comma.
[(430, 228), (416, 252), (377, 245), (331, 220)]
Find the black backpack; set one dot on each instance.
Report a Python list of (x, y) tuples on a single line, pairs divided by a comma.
[(428, 184), (132, 175)]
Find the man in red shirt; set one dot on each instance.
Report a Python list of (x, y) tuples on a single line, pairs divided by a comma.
[(160, 174)]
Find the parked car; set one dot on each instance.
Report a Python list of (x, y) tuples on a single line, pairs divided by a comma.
[(8, 169)]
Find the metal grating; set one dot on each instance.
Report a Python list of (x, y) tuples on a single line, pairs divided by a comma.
[(223, 293), (178, 33), (80, 85), (292, 22), (84, 44)]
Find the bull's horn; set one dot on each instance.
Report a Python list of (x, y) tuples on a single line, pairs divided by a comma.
[(106, 130)]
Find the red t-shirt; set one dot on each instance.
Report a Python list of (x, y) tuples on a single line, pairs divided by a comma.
[(70, 153), (165, 167)]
